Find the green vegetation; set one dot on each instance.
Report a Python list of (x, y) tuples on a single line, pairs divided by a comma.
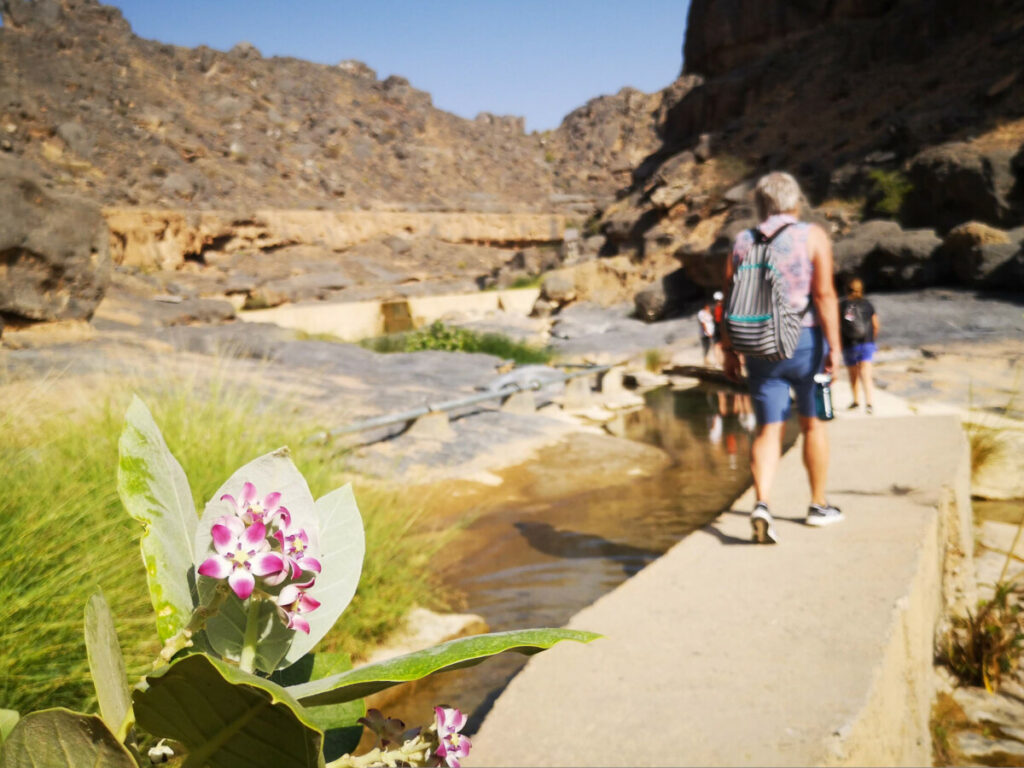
[(987, 644), (889, 190), (654, 360), (439, 336), (63, 531)]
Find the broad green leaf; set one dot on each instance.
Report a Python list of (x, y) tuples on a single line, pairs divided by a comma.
[(342, 546), (60, 737), (226, 631), (106, 664), (8, 719), (154, 490), (338, 721), (226, 717), (455, 654)]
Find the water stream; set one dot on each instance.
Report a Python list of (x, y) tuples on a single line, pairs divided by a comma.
[(573, 524)]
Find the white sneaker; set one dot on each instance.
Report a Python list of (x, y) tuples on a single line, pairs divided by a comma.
[(762, 524), (823, 515)]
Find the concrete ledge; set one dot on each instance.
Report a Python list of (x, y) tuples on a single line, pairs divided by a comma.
[(817, 651)]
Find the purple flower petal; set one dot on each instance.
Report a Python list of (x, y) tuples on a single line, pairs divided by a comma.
[(307, 603), (309, 564), (271, 499), (255, 534), (297, 622), (288, 595), (266, 563), (229, 497), (241, 583), (215, 567), (248, 493), (223, 539)]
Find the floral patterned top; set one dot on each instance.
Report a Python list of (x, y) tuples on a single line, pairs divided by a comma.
[(792, 258)]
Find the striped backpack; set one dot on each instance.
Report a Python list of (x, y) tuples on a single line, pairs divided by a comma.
[(758, 317)]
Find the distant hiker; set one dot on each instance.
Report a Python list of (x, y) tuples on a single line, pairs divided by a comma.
[(858, 327), (717, 312), (802, 323), (706, 322)]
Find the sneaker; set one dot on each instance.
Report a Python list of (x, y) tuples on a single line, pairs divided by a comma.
[(868, 409), (819, 516), (762, 524), (854, 406)]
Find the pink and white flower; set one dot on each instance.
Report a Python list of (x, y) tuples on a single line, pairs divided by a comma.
[(294, 546), (453, 746), (251, 510), (242, 554), (292, 603)]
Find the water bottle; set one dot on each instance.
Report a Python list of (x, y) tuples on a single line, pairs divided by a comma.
[(823, 396)]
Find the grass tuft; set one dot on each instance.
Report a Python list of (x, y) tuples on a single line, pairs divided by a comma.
[(438, 336), (64, 532)]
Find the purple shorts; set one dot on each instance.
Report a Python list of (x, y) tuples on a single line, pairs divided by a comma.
[(859, 353)]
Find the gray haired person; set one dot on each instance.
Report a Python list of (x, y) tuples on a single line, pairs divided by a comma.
[(803, 255)]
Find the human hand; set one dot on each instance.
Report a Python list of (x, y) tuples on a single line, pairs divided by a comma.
[(833, 362)]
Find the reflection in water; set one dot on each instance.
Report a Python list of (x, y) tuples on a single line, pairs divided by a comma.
[(538, 560)]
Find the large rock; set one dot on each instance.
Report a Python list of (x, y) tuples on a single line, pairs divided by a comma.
[(886, 256), (958, 182), (54, 252), (986, 257)]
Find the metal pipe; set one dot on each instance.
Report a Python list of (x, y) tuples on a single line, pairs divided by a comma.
[(450, 405)]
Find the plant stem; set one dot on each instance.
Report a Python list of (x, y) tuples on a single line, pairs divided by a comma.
[(252, 630), (183, 638)]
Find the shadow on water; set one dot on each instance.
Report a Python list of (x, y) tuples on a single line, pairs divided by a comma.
[(574, 523), (571, 544)]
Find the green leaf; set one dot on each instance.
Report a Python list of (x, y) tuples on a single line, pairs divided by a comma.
[(226, 717), (455, 654), (155, 491), (60, 737), (106, 664), (226, 631), (8, 719), (342, 546), (339, 723)]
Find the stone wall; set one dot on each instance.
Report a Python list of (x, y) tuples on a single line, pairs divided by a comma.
[(165, 239)]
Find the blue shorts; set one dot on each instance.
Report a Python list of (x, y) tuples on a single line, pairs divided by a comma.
[(859, 353), (770, 380)]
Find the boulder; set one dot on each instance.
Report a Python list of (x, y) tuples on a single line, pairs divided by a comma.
[(706, 267), (651, 302), (559, 287), (665, 297), (54, 252), (983, 256), (886, 256), (957, 182)]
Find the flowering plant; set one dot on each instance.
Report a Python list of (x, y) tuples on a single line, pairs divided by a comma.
[(242, 595)]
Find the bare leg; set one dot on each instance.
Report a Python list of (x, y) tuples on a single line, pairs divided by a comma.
[(854, 375), (867, 381), (815, 456), (765, 451)]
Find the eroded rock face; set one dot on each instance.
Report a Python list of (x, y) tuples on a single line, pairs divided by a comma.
[(54, 252), (887, 257)]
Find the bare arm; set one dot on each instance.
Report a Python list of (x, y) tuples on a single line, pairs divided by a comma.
[(875, 325), (823, 294)]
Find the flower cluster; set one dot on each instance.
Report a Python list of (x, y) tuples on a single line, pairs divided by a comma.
[(439, 744), (452, 745), (258, 541)]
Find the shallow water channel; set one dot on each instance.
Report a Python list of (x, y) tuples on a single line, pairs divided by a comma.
[(581, 518)]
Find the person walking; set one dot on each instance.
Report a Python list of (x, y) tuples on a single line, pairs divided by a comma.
[(802, 255), (706, 322), (717, 313), (858, 328)]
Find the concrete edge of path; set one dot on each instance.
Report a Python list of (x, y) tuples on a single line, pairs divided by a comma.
[(818, 651)]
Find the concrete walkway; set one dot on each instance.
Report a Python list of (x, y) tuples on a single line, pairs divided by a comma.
[(816, 651)]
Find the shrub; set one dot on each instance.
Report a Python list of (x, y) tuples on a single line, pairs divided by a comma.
[(889, 190), (438, 336)]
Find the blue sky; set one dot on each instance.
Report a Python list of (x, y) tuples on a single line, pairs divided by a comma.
[(536, 58)]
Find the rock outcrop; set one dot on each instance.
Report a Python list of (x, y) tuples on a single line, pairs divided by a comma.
[(54, 252)]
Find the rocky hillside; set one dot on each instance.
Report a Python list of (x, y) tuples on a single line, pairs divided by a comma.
[(907, 111), (128, 121)]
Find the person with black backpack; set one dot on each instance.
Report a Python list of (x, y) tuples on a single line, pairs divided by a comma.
[(782, 316), (858, 327)]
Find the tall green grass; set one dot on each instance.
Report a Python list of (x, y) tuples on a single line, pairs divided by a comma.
[(63, 531)]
